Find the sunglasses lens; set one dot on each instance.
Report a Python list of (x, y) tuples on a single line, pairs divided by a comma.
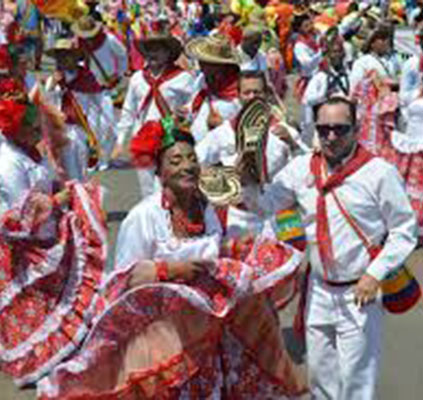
[(338, 130)]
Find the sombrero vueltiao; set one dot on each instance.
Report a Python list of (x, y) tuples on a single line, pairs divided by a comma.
[(62, 46), (157, 31), (215, 49), (220, 185), (86, 27)]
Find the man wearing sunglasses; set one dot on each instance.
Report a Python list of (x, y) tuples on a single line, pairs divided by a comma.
[(343, 314)]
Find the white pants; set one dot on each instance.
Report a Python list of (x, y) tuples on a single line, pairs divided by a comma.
[(343, 344)]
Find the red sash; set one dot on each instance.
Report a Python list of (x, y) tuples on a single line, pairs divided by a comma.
[(310, 41), (155, 93), (84, 82), (93, 44), (227, 90), (317, 164)]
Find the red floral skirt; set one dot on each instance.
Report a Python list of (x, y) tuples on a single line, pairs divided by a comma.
[(217, 338), (48, 291)]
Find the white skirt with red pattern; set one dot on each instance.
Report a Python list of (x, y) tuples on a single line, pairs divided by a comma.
[(217, 337), (49, 288)]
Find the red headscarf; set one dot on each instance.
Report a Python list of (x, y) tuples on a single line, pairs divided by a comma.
[(12, 115)]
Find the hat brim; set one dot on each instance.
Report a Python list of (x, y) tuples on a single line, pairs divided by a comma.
[(197, 48), (86, 34), (230, 196), (58, 53), (174, 45)]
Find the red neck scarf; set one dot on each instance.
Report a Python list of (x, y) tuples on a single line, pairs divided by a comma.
[(317, 165), (155, 93), (84, 82), (225, 89), (310, 41), (93, 44)]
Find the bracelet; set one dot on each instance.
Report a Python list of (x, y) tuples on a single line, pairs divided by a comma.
[(162, 271)]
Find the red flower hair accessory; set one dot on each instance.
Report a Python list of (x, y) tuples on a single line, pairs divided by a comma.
[(146, 144), (12, 115)]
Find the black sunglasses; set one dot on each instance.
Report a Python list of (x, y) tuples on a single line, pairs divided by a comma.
[(338, 129)]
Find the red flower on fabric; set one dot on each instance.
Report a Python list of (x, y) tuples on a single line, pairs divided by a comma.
[(9, 85), (11, 116), (146, 144), (5, 59)]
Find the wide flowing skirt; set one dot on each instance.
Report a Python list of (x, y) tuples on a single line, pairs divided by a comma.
[(216, 338), (48, 288)]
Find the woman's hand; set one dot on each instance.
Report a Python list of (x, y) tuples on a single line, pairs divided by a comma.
[(146, 271), (187, 270)]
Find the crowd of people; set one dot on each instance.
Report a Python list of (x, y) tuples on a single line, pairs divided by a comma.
[(279, 160)]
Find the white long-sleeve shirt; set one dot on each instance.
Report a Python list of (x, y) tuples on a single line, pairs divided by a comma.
[(219, 146), (113, 58), (411, 81), (386, 67), (308, 59), (374, 196), (177, 93)]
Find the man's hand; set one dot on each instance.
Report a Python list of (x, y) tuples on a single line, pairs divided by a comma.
[(246, 169), (214, 119), (366, 290), (112, 83)]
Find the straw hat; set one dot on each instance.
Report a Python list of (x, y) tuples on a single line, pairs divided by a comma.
[(62, 46), (157, 31), (220, 185), (86, 27), (318, 8), (215, 49)]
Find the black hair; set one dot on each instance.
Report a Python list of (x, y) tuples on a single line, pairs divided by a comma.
[(419, 17), (298, 21), (334, 100)]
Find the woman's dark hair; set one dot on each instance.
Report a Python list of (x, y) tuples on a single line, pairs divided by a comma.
[(298, 21), (335, 100)]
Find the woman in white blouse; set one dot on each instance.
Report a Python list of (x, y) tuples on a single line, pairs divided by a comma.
[(179, 322)]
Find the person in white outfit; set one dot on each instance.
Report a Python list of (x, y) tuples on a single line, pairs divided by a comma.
[(343, 311), (378, 57), (161, 88), (216, 96), (219, 146), (106, 57), (332, 78)]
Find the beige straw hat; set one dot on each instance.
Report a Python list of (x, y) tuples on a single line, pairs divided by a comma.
[(86, 27), (220, 185), (214, 49), (64, 46)]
